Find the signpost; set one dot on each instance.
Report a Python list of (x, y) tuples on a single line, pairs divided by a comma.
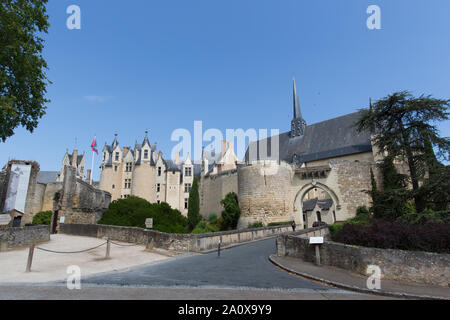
[(316, 241), (149, 223)]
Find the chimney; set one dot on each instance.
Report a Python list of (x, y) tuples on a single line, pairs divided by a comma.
[(74, 158), (159, 155), (88, 176)]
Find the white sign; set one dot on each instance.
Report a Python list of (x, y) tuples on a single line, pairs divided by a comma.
[(16, 195), (62, 219), (149, 223), (315, 240), (5, 219)]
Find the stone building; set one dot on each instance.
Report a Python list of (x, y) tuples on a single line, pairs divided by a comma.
[(25, 191), (330, 156), (143, 172)]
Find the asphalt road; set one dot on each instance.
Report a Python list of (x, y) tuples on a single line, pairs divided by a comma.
[(240, 273), (243, 266)]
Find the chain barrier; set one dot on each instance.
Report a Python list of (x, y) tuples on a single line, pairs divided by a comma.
[(124, 245), (53, 251)]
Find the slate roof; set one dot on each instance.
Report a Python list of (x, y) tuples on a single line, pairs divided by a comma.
[(327, 139), (45, 177), (324, 204), (79, 158)]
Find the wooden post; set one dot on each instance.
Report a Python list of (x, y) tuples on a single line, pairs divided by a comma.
[(218, 248), (30, 257), (317, 254), (108, 248)]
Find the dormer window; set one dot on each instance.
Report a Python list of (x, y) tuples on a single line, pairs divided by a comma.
[(159, 171), (188, 171), (145, 154), (117, 156), (104, 156)]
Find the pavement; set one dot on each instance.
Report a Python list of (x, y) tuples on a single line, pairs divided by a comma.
[(345, 279), (49, 266)]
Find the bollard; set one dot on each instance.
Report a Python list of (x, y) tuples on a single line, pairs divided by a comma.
[(30, 257), (218, 248), (149, 243), (317, 254), (108, 247)]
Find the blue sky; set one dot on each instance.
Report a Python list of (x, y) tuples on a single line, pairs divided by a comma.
[(161, 65)]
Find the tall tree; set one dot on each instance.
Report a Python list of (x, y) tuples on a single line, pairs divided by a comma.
[(23, 81), (194, 216), (231, 212), (404, 127)]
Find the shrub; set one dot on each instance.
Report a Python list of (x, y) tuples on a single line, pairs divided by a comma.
[(231, 212), (258, 224), (282, 223), (213, 219), (133, 211), (395, 235), (428, 216), (204, 227), (43, 217)]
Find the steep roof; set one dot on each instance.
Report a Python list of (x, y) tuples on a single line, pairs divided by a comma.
[(327, 139)]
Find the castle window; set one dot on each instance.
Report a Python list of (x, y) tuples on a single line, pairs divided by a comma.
[(158, 202), (158, 187), (115, 168), (186, 201), (117, 156), (188, 171), (319, 217), (187, 187), (127, 183), (113, 186), (159, 171), (129, 166), (145, 154)]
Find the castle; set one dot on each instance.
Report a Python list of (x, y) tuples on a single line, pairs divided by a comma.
[(317, 172), (144, 173)]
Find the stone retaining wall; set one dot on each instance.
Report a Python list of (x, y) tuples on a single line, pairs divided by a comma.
[(412, 266), (177, 242), (15, 237)]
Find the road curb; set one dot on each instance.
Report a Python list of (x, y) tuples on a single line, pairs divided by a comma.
[(353, 288)]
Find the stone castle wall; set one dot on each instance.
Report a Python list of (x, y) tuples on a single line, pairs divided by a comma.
[(271, 192), (265, 193), (213, 189)]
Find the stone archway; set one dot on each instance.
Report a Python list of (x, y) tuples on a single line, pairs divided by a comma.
[(298, 201)]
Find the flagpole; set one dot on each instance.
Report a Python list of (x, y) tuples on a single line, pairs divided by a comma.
[(92, 167)]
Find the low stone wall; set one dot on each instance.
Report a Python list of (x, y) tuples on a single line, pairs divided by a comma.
[(177, 242), (15, 237), (412, 266)]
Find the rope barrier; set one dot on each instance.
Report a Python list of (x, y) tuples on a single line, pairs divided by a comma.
[(125, 245), (52, 251)]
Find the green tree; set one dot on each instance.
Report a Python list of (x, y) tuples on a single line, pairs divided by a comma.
[(405, 128), (132, 212), (43, 217), (23, 81), (193, 215), (231, 212)]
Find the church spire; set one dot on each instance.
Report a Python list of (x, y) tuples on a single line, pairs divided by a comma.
[(298, 124), (297, 111)]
